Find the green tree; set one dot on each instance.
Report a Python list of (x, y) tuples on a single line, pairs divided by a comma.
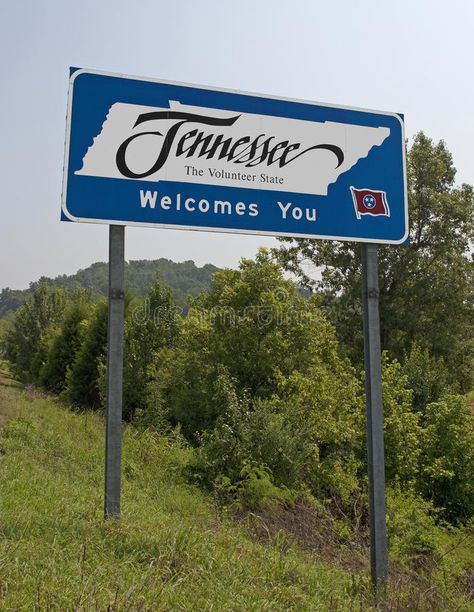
[(4, 327), (10, 301), (151, 326), (66, 343), (447, 460), (256, 378), (427, 376), (82, 377), (26, 340), (402, 430), (426, 288), (184, 278), (255, 326)]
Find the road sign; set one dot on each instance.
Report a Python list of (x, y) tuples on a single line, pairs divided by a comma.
[(155, 153)]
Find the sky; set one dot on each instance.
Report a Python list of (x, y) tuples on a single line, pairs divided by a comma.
[(410, 56)]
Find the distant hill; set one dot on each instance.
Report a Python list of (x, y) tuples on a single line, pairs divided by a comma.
[(183, 278)]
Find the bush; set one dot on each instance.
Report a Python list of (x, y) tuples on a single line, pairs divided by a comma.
[(412, 528), (26, 341), (254, 434), (426, 376), (4, 328), (150, 327), (402, 431), (65, 344), (82, 378), (303, 438), (447, 459), (253, 325)]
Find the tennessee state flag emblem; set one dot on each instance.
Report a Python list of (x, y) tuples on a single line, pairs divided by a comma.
[(370, 202)]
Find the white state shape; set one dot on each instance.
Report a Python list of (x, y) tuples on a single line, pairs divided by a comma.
[(311, 173)]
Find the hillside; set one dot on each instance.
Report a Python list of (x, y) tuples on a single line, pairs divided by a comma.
[(173, 547), (171, 550), (184, 279)]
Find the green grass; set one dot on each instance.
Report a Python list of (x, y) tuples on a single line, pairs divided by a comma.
[(172, 549)]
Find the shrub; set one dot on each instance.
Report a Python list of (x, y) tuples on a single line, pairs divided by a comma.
[(25, 344), (254, 434), (426, 376), (447, 459), (412, 528), (303, 437), (82, 378), (326, 405), (253, 325), (150, 327), (402, 431), (65, 344)]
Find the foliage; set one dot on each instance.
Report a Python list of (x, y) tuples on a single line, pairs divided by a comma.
[(256, 490), (403, 433), (82, 377), (412, 528), (326, 404), (4, 325), (256, 435), (25, 344), (10, 301), (255, 379), (183, 278), (447, 463), (426, 288), (172, 549), (151, 326), (255, 326), (65, 343), (426, 376)]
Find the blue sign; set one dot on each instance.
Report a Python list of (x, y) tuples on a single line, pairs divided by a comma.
[(154, 153)]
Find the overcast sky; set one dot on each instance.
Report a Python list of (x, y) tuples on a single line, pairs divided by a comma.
[(410, 56)]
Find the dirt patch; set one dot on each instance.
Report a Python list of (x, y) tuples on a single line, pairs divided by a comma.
[(315, 531), (468, 584)]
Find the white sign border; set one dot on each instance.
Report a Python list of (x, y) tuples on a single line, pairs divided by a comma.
[(225, 230)]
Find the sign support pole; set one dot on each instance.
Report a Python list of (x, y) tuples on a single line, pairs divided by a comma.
[(374, 406), (114, 376)]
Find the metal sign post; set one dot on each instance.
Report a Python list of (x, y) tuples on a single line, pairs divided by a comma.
[(373, 394), (114, 376)]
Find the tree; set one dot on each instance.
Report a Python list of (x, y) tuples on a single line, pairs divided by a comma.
[(26, 339), (447, 461), (66, 343), (150, 327), (10, 301), (402, 430), (82, 377), (427, 376), (251, 328), (426, 288)]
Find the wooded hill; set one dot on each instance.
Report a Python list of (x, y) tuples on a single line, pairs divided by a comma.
[(183, 278)]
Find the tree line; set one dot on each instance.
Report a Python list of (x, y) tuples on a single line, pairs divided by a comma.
[(183, 278), (267, 384)]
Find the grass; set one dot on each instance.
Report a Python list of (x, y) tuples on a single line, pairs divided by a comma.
[(173, 549)]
